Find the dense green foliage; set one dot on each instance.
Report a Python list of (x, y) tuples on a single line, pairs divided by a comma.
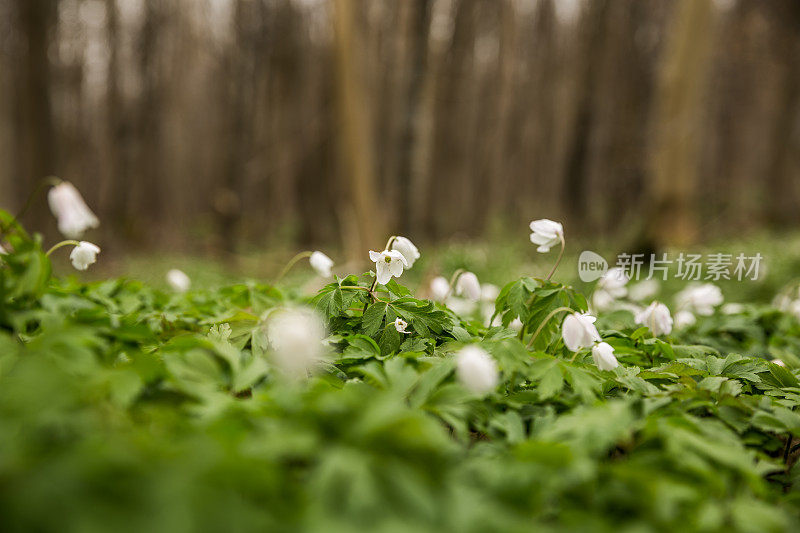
[(124, 408)]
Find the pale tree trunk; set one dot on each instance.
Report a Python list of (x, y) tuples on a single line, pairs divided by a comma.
[(360, 214), (677, 121)]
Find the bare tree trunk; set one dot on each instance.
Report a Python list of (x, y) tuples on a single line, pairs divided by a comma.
[(362, 219), (416, 68), (676, 125), (36, 141)]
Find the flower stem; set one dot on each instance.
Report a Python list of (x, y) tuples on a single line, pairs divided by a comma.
[(61, 245), (558, 261), (544, 322), (292, 262), (44, 182), (453, 279)]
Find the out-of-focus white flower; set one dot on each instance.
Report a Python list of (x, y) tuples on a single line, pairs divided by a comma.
[(2, 250), (178, 280), (656, 316), (732, 308), (74, 216), (461, 306), (468, 286), (388, 264), (546, 234), (602, 300), (400, 325), (439, 289), (684, 319), (515, 324), (778, 362), (603, 355), (700, 298), (476, 370), (83, 255), (489, 292), (579, 331), (407, 248), (296, 337), (613, 282), (794, 308), (644, 290), (321, 263)]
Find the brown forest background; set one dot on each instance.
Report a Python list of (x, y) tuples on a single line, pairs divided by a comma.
[(225, 123)]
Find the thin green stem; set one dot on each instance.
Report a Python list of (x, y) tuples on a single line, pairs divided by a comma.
[(61, 245), (544, 322), (292, 262), (558, 261), (44, 182), (453, 280)]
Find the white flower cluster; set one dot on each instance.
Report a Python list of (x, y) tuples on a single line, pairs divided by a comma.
[(578, 331), (74, 218)]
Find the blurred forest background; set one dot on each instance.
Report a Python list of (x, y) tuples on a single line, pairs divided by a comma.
[(219, 124)]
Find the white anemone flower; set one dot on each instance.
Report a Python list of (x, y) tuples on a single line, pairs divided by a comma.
[(657, 317), (702, 299), (602, 300), (83, 255), (644, 290), (296, 337), (400, 325), (732, 308), (489, 292), (461, 306), (321, 263), (684, 319), (439, 289), (546, 234), (74, 216), (388, 264), (476, 370), (613, 282), (178, 280), (515, 324), (778, 362), (407, 248), (579, 331), (603, 356), (468, 286)]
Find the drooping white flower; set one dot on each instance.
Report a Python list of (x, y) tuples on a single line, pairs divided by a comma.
[(468, 286), (778, 362), (439, 289), (613, 282), (74, 216), (489, 292), (644, 290), (296, 337), (602, 300), (546, 234), (603, 356), (178, 280), (321, 263), (684, 319), (461, 306), (83, 255), (400, 325), (657, 317), (515, 324), (388, 264), (579, 331), (407, 248), (732, 308), (476, 370), (700, 298)]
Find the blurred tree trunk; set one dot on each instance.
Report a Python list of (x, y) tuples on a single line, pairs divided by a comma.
[(35, 138), (781, 177), (360, 214), (575, 190), (416, 67), (117, 213), (677, 121)]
